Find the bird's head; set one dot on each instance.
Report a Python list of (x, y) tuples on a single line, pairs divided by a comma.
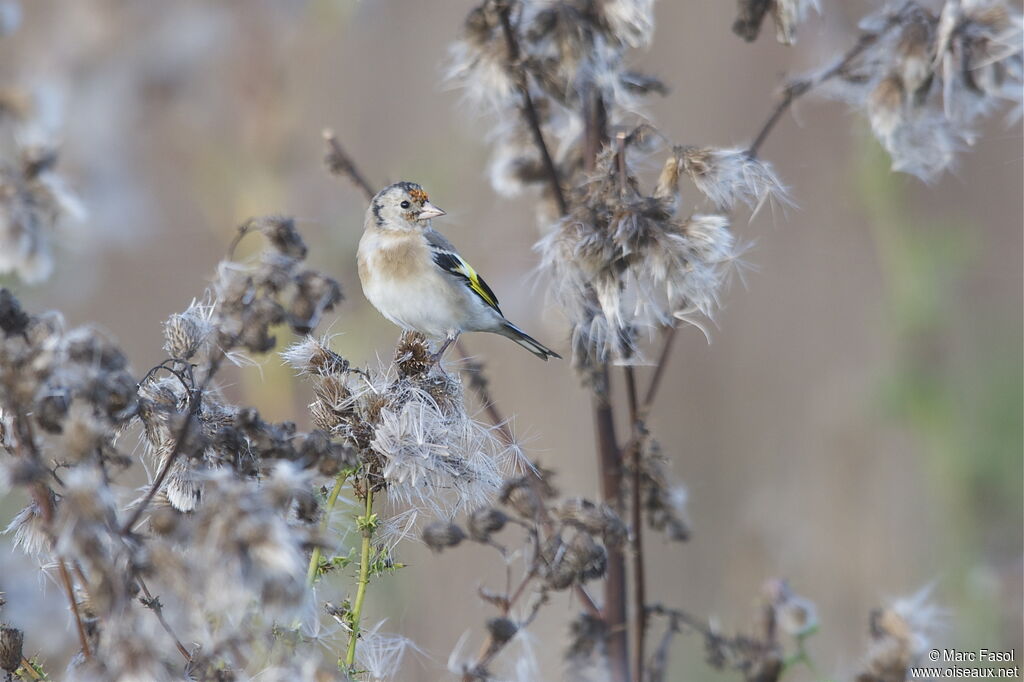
[(402, 206)]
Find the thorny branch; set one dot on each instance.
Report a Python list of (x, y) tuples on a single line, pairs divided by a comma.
[(153, 603)]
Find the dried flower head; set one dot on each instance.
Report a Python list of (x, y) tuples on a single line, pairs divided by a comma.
[(248, 300), (34, 202), (899, 637), (624, 261), (587, 638), (440, 535), (407, 423), (730, 176), (573, 562), (596, 519), (185, 333), (925, 78), (484, 522)]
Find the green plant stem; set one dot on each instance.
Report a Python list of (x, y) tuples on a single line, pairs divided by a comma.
[(364, 577), (314, 561)]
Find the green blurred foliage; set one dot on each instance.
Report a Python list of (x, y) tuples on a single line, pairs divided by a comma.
[(954, 381)]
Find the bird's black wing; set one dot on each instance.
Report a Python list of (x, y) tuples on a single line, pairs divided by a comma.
[(449, 260)]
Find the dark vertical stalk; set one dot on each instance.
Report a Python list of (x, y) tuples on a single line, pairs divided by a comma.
[(636, 524), (610, 471), (609, 453), (529, 109)]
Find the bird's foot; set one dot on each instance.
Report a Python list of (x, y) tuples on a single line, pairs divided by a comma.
[(436, 357)]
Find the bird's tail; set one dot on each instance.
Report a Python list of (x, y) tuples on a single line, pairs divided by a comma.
[(528, 342)]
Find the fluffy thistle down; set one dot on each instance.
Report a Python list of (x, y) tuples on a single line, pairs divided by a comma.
[(931, 72), (381, 655), (206, 573), (409, 421), (727, 177), (571, 50), (236, 316), (620, 261), (247, 546), (623, 260)]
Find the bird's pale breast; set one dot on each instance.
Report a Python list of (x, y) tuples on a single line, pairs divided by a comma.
[(401, 281)]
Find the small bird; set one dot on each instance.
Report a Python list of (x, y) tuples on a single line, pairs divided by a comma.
[(416, 278)]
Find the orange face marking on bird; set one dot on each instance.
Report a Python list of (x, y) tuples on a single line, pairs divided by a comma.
[(418, 195)]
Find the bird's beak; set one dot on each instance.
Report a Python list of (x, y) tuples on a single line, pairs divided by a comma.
[(429, 211)]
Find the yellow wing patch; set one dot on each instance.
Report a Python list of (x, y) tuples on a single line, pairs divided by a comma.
[(479, 286), (453, 263)]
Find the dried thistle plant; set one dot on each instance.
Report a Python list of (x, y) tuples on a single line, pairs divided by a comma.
[(626, 264), (564, 547), (925, 74), (69, 399), (34, 202), (215, 557), (412, 443)]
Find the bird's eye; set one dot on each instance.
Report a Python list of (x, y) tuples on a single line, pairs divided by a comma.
[(405, 204)]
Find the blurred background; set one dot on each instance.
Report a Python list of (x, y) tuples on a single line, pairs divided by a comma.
[(854, 426)]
